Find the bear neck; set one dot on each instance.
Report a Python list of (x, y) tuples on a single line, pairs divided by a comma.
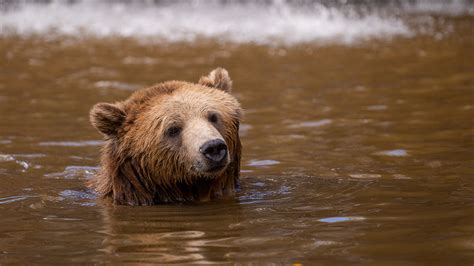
[(132, 187)]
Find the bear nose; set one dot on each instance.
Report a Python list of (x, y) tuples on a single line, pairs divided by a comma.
[(215, 150)]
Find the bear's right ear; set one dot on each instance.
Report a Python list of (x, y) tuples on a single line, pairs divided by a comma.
[(218, 78), (107, 118)]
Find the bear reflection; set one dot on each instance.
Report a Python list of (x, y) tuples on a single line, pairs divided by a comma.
[(180, 233)]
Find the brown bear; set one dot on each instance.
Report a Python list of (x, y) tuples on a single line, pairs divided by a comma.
[(173, 142)]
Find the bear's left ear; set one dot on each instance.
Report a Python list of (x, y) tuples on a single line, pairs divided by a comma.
[(218, 78)]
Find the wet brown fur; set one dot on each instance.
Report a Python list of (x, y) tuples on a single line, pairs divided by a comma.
[(139, 168)]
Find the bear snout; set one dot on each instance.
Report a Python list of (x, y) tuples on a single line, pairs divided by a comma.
[(215, 151)]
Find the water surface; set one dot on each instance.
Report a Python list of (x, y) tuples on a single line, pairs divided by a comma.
[(353, 152)]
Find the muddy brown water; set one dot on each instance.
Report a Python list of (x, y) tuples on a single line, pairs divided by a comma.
[(352, 153)]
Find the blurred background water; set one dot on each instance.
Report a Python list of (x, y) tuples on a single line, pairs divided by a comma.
[(358, 134), (264, 22)]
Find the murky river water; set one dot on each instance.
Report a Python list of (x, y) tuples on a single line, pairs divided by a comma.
[(352, 153)]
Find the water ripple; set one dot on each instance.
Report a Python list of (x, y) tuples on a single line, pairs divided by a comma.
[(394, 153), (106, 84), (341, 219), (10, 199), (6, 158), (317, 123), (72, 143), (258, 163), (74, 172), (9, 158)]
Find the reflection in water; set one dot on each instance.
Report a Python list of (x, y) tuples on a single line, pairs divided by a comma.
[(352, 153), (170, 233)]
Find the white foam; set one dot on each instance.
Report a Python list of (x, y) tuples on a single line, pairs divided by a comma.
[(278, 22)]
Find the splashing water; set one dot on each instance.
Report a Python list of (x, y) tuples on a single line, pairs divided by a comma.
[(277, 22)]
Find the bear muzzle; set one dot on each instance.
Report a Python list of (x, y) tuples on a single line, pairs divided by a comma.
[(215, 154)]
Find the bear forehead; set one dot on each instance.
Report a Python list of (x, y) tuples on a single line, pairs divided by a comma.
[(194, 99)]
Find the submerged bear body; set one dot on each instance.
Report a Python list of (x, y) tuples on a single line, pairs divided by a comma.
[(173, 142)]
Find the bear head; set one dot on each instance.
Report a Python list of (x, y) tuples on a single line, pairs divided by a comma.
[(176, 141)]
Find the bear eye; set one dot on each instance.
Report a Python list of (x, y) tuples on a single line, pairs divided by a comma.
[(173, 131), (213, 118)]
